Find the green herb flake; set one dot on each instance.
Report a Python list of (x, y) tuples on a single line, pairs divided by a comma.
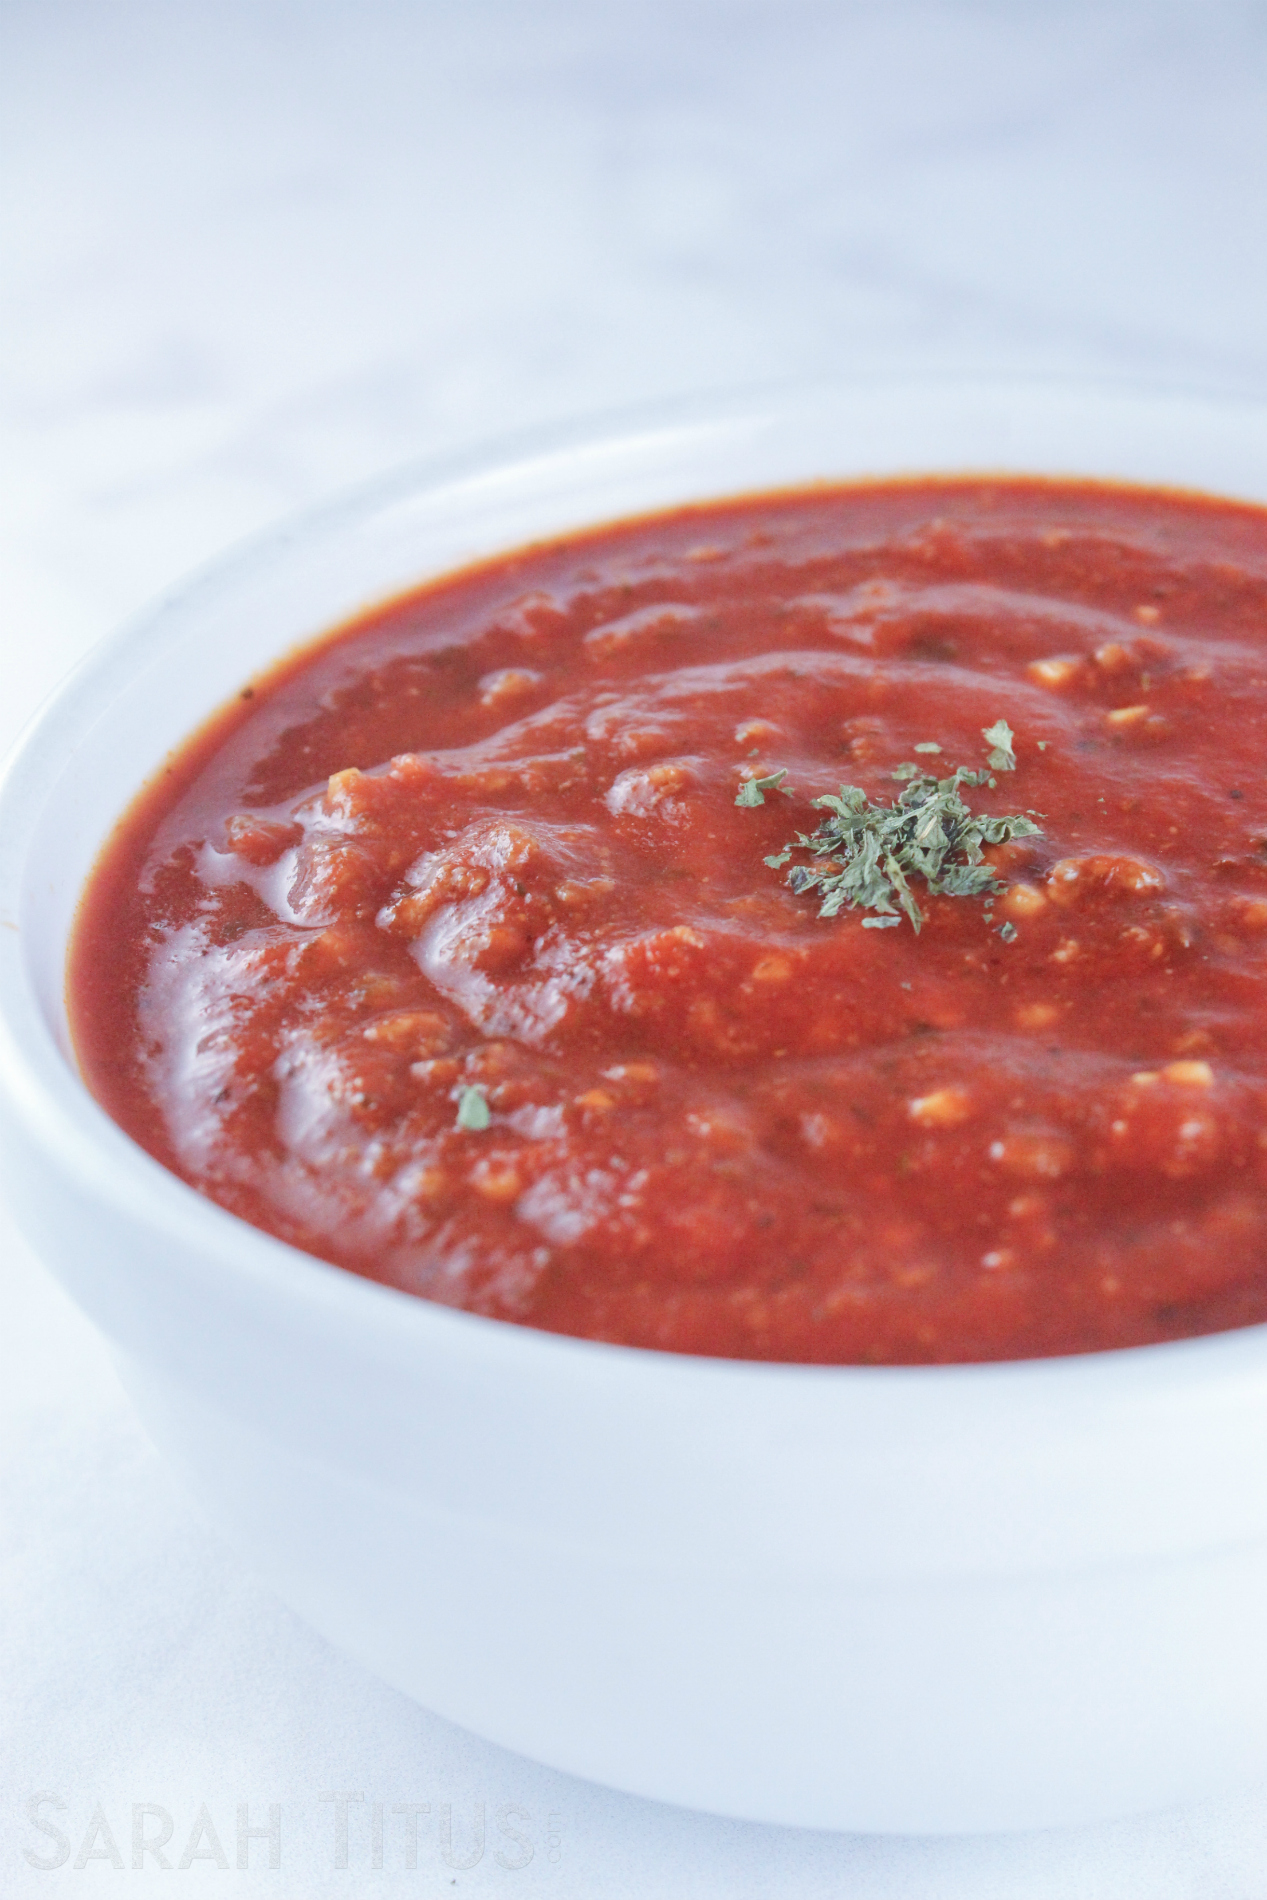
[(752, 791), (473, 1110), (1008, 932), (999, 737)]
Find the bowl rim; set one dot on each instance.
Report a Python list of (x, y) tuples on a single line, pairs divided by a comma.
[(49, 1096)]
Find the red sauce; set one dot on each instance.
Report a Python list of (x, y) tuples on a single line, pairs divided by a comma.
[(486, 839)]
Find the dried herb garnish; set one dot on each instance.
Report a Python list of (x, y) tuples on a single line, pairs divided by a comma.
[(473, 1110), (1000, 737), (752, 791), (868, 852)]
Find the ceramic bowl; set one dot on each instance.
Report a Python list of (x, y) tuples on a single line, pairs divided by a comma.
[(936, 1599)]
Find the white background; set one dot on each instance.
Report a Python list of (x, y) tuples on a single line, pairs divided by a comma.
[(257, 252)]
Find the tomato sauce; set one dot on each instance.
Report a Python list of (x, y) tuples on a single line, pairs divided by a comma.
[(447, 954)]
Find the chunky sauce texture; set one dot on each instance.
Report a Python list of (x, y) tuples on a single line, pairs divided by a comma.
[(447, 954)]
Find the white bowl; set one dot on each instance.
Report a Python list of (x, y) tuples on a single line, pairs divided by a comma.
[(949, 1598)]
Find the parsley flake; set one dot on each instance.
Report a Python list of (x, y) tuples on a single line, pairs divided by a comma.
[(752, 791), (473, 1110), (1000, 736)]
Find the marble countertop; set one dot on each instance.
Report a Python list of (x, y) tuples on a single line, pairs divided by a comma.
[(258, 251)]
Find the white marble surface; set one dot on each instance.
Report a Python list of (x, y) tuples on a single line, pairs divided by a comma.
[(258, 250)]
